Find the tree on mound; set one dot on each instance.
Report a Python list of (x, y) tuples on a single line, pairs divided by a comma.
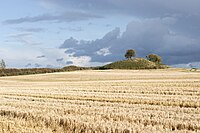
[(154, 58), (130, 53)]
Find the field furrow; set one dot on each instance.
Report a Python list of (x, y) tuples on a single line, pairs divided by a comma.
[(111, 101)]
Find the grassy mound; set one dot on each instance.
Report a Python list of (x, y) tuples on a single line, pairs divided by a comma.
[(137, 63)]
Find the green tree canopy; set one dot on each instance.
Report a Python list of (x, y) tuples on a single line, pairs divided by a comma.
[(130, 53), (154, 58)]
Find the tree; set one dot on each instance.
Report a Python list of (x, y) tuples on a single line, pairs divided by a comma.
[(154, 58), (130, 53), (2, 64)]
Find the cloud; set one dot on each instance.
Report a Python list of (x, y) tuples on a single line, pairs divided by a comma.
[(186, 13), (108, 25), (36, 30), (24, 38), (60, 60), (41, 56), (103, 51), (75, 29), (188, 65), (148, 36), (150, 8), (50, 66), (97, 49), (69, 63), (65, 17), (36, 65), (15, 58), (168, 28), (28, 65)]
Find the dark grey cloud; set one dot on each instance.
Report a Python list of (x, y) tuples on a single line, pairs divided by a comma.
[(91, 47), (148, 36), (98, 49), (150, 8), (65, 17), (168, 28), (185, 12)]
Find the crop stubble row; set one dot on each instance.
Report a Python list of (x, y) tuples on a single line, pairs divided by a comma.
[(101, 101)]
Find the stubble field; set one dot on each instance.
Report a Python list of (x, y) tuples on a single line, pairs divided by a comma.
[(111, 101)]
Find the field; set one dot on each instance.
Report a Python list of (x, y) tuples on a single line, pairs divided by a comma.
[(109, 101)]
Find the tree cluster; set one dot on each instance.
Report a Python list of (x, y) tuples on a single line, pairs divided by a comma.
[(154, 58), (151, 57)]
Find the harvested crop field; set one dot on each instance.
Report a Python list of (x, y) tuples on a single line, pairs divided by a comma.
[(110, 101)]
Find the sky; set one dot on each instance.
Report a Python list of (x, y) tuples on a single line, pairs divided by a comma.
[(57, 33)]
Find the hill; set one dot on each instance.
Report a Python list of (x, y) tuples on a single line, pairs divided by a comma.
[(137, 63)]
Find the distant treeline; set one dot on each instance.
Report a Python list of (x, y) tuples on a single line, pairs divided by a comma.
[(15, 72)]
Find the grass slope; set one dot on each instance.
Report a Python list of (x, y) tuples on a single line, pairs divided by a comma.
[(137, 63)]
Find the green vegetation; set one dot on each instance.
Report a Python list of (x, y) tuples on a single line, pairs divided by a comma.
[(153, 61), (74, 68), (137, 63), (154, 58), (130, 53), (15, 72)]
